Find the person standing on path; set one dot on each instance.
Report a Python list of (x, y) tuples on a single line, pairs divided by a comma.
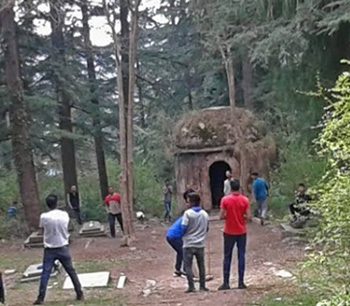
[(113, 207), (227, 183), (260, 194), (55, 230), (195, 224), (73, 200), (235, 211), (167, 192)]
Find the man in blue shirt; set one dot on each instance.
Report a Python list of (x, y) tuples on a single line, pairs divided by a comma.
[(260, 193), (174, 238)]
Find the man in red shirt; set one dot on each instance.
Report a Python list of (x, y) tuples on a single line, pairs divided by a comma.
[(113, 208), (235, 211)]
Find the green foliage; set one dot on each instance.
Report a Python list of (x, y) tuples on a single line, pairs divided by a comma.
[(299, 298), (299, 166), (332, 261), (148, 190)]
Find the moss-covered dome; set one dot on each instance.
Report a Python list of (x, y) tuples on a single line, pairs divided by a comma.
[(217, 127)]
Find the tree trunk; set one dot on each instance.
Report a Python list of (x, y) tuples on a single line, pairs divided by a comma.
[(130, 118), (64, 102), (189, 89), (22, 152), (100, 155), (231, 81), (247, 82)]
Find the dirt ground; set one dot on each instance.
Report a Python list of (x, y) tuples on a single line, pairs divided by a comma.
[(151, 258)]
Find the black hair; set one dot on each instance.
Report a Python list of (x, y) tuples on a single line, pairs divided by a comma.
[(194, 198), (302, 185), (51, 201), (255, 173), (235, 185)]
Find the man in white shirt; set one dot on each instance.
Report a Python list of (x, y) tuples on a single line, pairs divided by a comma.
[(227, 183), (55, 230)]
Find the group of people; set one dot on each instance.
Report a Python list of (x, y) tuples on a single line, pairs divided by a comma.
[(112, 205), (187, 236), (260, 193)]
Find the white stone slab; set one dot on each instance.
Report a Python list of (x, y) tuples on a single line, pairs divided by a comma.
[(121, 282), (89, 280)]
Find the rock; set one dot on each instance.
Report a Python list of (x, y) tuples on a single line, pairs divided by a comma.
[(284, 274), (150, 283), (146, 292), (289, 231), (308, 249), (133, 249), (295, 240), (9, 272), (268, 264)]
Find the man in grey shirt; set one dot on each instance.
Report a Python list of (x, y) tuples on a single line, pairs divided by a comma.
[(195, 225)]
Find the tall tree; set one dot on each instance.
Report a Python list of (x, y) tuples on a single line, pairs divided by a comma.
[(100, 155), (125, 103), (21, 146), (60, 77)]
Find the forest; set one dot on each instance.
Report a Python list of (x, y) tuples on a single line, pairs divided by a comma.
[(91, 90)]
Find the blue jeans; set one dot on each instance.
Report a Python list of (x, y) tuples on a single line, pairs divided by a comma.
[(62, 255), (262, 208), (176, 244), (167, 206), (229, 244)]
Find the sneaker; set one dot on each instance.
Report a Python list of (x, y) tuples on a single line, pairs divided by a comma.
[(38, 302), (204, 289), (190, 290), (224, 287), (81, 297), (242, 286)]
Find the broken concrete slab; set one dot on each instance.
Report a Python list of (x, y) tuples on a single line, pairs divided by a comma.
[(33, 272), (36, 240), (89, 280), (92, 229)]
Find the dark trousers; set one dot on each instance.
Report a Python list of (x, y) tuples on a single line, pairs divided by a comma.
[(167, 206), (111, 219), (188, 254), (2, 290), (229, 244), (293, 207), (176, 244), (62, 255), (78, 215)]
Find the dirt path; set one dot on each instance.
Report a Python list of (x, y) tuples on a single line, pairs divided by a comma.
[(153, 259)]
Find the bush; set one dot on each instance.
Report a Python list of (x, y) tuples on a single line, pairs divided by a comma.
[(299, 166), (332, 260)]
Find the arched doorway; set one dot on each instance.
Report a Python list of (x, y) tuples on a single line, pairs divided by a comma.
[(217, 177)]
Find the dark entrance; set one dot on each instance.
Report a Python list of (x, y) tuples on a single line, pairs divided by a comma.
[(217, 174)]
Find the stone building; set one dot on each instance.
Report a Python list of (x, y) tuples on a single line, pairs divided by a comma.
[(210, 142)]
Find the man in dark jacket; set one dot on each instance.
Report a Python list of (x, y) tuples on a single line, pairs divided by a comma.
[(73, 200), (299, 206)]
